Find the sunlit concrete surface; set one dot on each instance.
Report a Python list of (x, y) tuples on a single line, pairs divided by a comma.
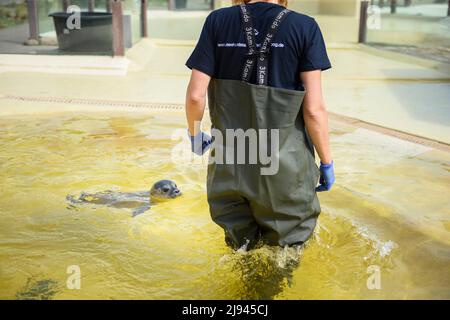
[(85, 65), (400, 95)]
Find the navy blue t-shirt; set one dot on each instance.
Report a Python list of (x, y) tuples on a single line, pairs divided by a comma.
[(297, 46)]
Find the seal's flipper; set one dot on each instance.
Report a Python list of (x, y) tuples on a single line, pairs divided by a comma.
[(140, 210), (73, 200)]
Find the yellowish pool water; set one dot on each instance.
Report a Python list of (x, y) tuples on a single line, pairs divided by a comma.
[(388, 212)]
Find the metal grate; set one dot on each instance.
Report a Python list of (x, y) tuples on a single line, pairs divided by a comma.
[(99, 102)]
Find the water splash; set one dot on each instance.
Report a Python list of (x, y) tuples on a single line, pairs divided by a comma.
[(325, 238), (380, 248), (261, 273)]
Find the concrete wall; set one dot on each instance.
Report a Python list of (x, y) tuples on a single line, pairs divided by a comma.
[(338, 19), (325, 7), (314, 7)]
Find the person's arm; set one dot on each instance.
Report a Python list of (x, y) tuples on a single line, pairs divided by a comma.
[(316, 122), (315, 114), (202, 62), (195, 108), (196, 100)]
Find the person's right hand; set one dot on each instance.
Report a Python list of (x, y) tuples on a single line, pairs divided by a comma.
[(326, 177), (200, 143)]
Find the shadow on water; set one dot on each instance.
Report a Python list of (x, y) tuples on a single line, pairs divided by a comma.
[(38, 290), (264, 272)]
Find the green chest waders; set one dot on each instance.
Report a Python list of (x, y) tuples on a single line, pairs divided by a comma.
[(282, 208)]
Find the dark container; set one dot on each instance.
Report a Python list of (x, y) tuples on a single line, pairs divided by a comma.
[(180, 4), (94, 35)]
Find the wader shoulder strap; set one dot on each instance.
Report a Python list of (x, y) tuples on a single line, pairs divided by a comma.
[(251, 44), (263, 52)]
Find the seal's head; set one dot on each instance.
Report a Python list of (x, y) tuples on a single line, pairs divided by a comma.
[(164, 189)]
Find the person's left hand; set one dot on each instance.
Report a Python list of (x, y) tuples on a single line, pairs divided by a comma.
[(326, 177)]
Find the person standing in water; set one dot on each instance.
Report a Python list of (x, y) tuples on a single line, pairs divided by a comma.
[(260, 65)]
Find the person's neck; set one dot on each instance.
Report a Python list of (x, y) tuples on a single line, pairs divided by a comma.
[(268, 1)]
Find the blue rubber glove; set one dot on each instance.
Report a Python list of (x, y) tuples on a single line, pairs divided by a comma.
[(200, 143), (326, 177)]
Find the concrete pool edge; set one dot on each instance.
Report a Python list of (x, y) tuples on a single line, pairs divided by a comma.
[(67, 64), (87, 105), (402, 135), (406, 58)]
